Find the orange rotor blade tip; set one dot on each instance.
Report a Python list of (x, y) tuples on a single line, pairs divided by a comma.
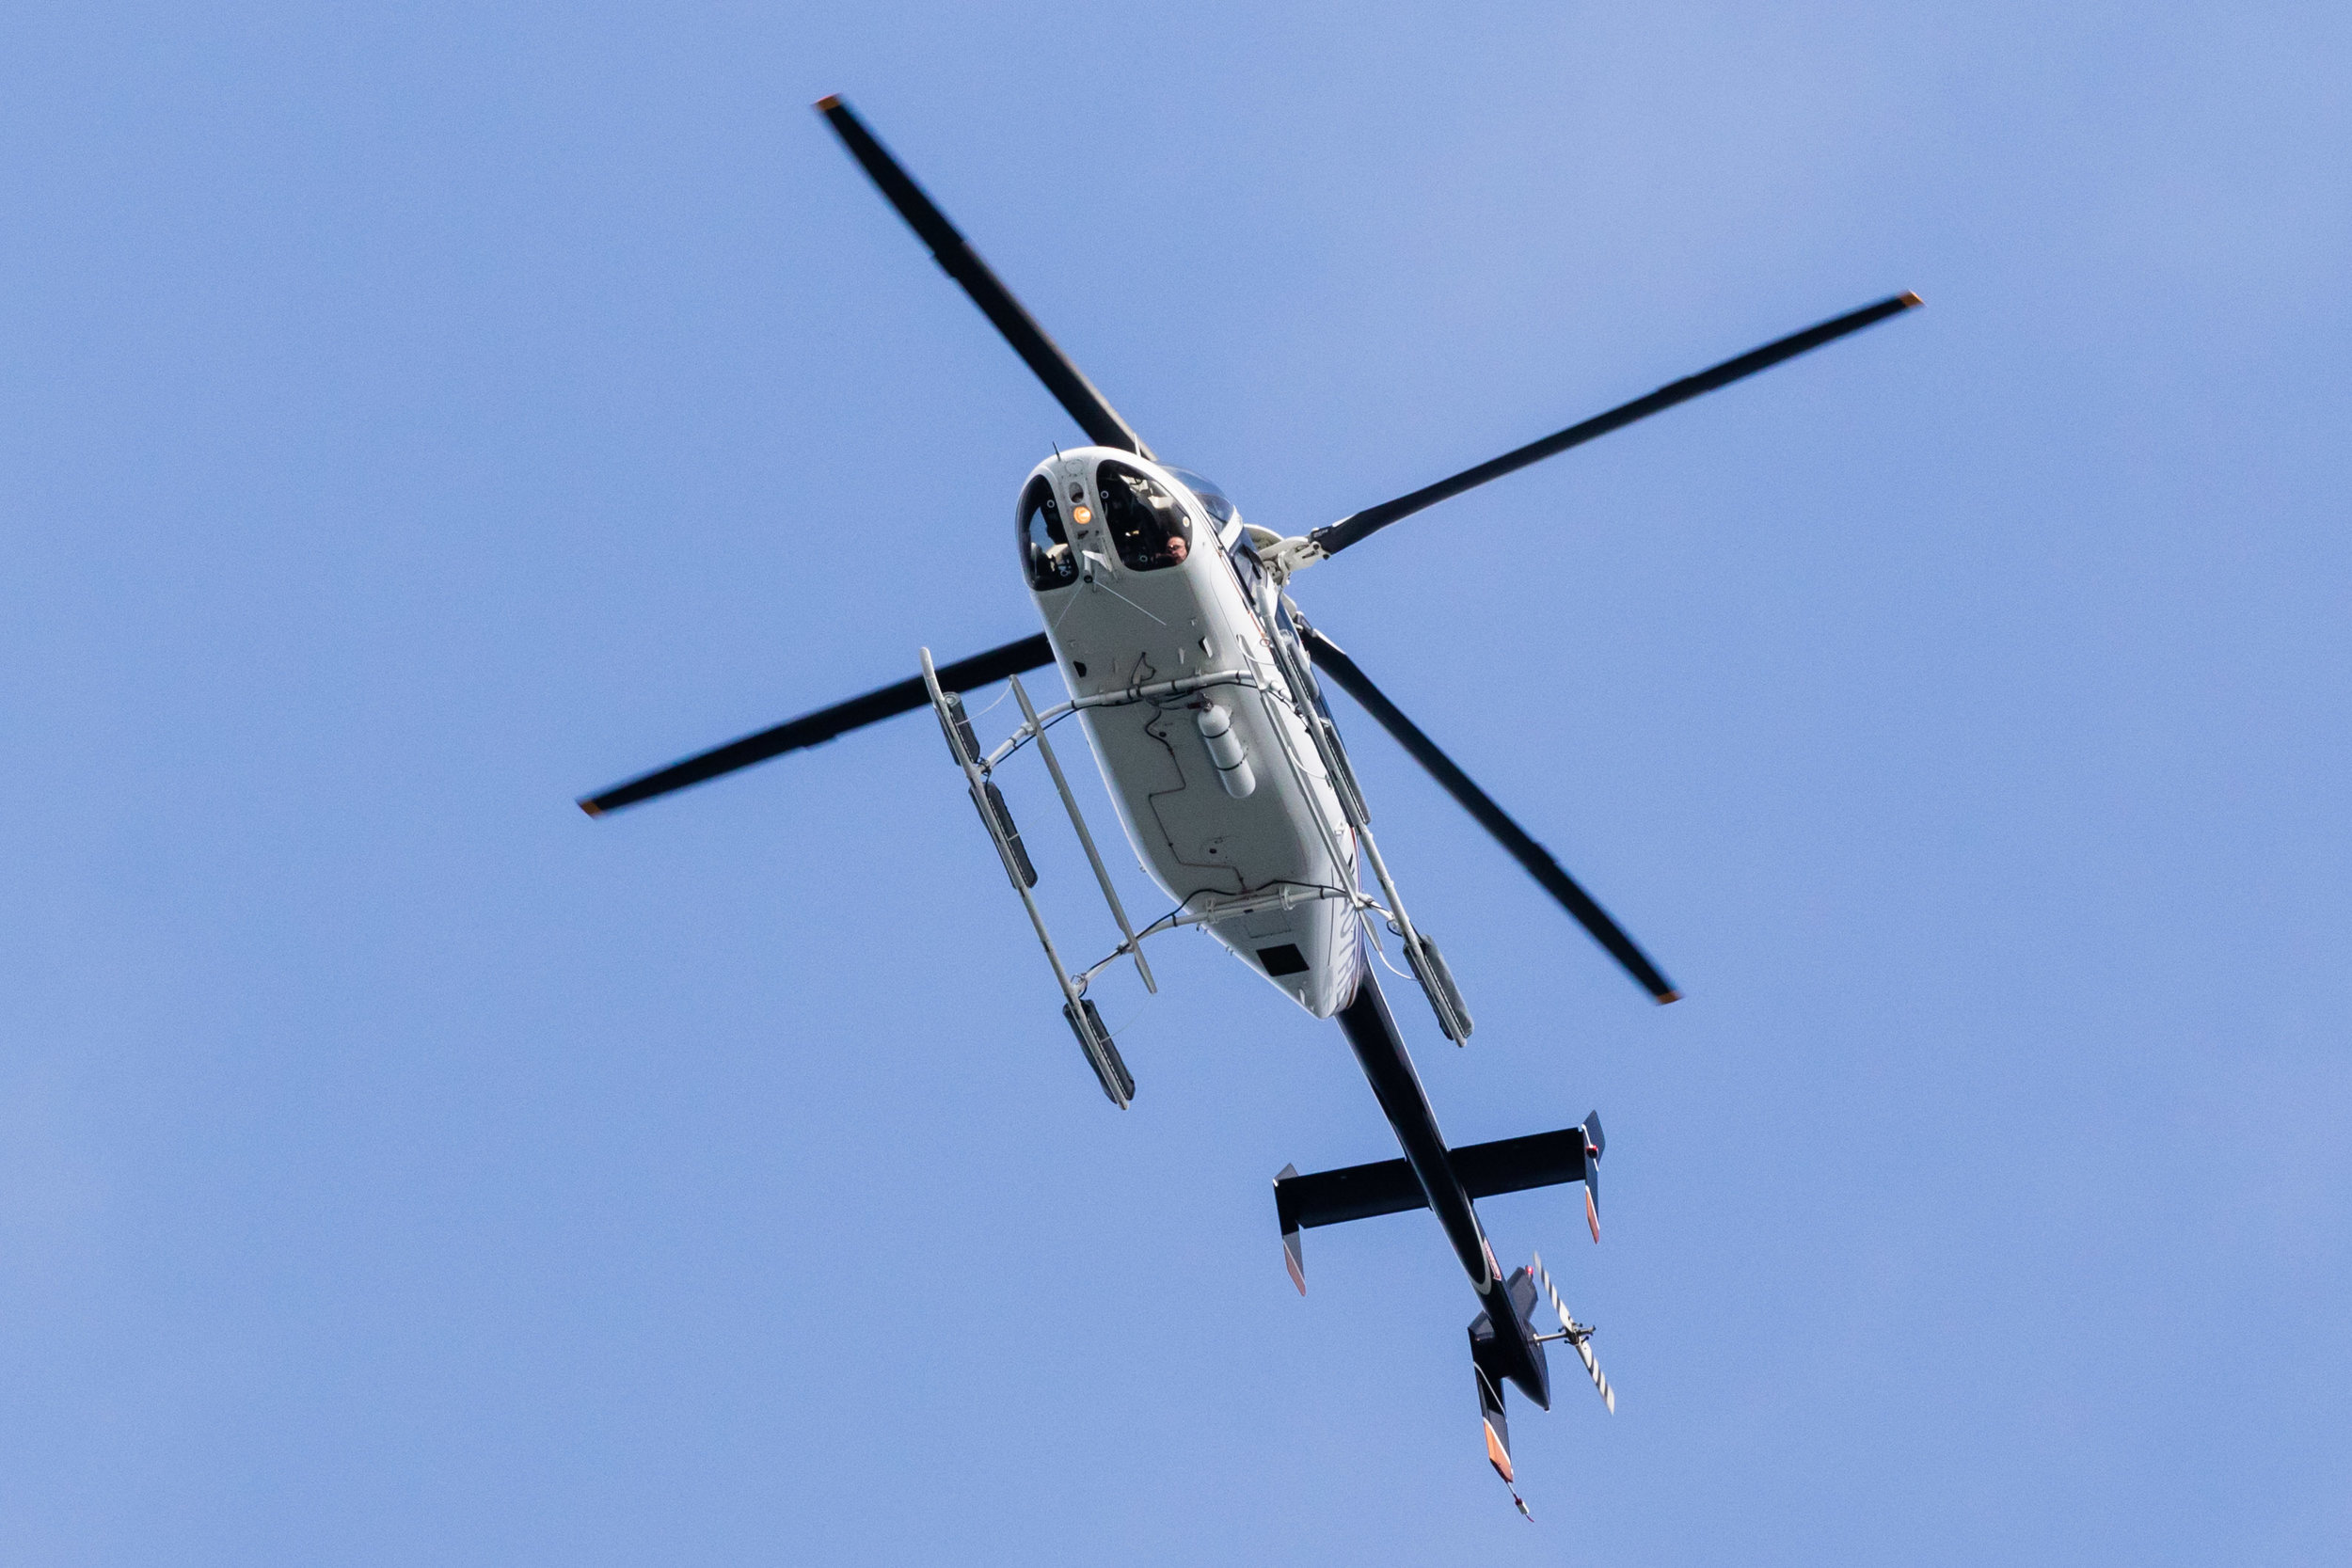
[(590, 808), (1669, 996), (831, 101), (1910, 300)]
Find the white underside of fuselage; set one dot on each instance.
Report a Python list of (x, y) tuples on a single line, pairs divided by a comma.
[(1119, 629)]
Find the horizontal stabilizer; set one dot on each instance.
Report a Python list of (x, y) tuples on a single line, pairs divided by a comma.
[(1389, 1187)]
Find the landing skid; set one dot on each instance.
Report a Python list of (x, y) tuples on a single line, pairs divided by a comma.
[(977, 767), (1102, 1053), (1277, 614)]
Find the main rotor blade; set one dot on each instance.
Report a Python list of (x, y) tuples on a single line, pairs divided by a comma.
[(1361, 525), (1533, 856), (954, 255), (814, 729)]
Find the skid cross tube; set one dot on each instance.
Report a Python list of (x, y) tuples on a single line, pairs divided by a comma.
[(1288, 897), (1038, 724)]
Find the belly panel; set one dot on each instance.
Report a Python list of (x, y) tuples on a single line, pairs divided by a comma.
[(1195, 838)]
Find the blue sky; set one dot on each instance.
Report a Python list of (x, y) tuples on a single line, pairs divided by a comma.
[(419, 417)]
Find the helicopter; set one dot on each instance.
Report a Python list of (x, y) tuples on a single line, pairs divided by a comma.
[(1197, 683)]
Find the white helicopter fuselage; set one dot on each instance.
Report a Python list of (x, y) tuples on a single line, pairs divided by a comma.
[(1219, 786)]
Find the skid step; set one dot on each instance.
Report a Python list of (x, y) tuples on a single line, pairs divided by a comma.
[(1102, 1053)]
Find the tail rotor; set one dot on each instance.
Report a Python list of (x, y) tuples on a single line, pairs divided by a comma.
[(1579, 1336)]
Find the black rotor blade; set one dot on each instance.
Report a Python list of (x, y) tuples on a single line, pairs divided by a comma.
[(814, 729), (1361, 525), (954, 255), (1533, 856)]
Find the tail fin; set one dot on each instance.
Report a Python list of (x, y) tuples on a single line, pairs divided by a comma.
[(1286, 1209), (1490, 1365), (1497, 1424), (1593, 1143)]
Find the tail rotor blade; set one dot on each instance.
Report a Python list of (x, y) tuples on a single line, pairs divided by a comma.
[(1600, 1379), (1567, 1323)]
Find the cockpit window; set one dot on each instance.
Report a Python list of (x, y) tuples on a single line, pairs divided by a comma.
[(1044, 545), (1148, 524), (1211, 494)]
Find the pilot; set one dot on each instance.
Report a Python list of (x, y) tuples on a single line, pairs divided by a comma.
[(1177, 549), (1050, 565)]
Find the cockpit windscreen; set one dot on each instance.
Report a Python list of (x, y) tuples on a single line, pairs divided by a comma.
[(1149, 526), (1211, 493)]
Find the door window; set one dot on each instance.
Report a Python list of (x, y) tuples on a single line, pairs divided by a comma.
[(1046, 552)]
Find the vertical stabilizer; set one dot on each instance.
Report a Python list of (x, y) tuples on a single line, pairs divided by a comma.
[(1494, 1360)]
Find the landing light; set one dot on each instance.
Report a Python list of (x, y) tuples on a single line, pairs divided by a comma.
[(1084, 514)]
